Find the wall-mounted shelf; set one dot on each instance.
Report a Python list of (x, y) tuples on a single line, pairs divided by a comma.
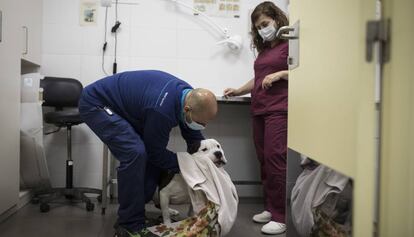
[(28, 67)]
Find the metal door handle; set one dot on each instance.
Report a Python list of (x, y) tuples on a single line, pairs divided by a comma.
[(291, 33), (26, 30), (284, 32)]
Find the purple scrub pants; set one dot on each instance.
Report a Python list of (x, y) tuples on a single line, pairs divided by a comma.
[(270, 138)]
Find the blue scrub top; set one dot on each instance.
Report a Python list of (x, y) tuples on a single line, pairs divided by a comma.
[(151, 102)]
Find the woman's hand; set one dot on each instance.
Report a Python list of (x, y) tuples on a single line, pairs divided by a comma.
[(270, 79), (230, 92)]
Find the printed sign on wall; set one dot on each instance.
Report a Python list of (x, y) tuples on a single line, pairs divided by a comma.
[(222, 8), (88, 12)]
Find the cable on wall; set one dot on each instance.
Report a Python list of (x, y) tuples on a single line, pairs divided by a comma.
[(105, 42), (115, 31)]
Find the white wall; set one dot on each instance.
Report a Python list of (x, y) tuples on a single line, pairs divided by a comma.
[(155, 34)]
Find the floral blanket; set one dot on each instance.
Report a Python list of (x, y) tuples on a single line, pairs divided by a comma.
[(204, 224)]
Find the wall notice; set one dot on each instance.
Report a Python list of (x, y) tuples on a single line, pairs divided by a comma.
[(88, 12), (221, 8)]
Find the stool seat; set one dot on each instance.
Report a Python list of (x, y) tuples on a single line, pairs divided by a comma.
[(63, 117), (63, 95)]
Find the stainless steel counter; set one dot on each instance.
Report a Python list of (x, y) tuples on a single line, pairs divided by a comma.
[(233, 100)]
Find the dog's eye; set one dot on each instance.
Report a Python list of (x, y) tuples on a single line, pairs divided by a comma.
[(205, 149), (218, 146)]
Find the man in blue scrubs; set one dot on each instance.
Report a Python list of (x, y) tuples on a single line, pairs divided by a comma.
[(133, 113)]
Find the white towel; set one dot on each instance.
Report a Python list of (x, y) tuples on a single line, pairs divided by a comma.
[(201, 174), (310, 191)]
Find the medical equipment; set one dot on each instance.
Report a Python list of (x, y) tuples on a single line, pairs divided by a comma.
[(234, 42), (106, 3)]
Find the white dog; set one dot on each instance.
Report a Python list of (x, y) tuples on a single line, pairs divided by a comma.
[(174, 190)]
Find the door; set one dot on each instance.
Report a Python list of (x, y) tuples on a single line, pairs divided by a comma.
[(31, 18), (10, 46), (397, 153), (332, 113)]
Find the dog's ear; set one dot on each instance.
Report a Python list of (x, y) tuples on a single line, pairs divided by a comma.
[(193, 147)]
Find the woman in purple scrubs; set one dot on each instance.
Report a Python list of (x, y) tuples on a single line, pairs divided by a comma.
[(269, 92)]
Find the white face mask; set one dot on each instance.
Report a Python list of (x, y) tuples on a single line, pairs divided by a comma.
[(268, 33), (194, 125)]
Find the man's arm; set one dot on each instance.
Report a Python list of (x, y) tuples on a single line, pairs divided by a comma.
[(156, 136), (190, 136)]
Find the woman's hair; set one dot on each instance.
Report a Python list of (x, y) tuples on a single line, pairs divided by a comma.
[(268, 9)]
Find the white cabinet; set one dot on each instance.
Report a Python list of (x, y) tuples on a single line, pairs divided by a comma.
[(31, 22), (10, 53)]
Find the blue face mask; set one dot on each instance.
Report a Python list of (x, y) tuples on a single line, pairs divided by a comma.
[(194, 125)]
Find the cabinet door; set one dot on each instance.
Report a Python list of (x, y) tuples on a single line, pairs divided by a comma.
[(397, 153), (331, 96), (31, 18), (9, 104)]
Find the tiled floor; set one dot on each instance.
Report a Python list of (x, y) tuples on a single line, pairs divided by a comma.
[(73, 221)]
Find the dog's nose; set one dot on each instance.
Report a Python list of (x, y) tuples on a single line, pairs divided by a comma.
[(218, 154)]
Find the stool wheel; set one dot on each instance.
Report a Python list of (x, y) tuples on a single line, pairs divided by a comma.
[(44, 207), (35, 200), (90, 206)]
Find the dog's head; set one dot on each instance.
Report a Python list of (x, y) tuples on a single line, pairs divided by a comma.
[(210, 148)]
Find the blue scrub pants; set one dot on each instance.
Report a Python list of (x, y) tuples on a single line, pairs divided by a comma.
[(127, 147)]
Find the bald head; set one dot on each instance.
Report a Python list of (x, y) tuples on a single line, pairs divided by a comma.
[(203, 105)]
